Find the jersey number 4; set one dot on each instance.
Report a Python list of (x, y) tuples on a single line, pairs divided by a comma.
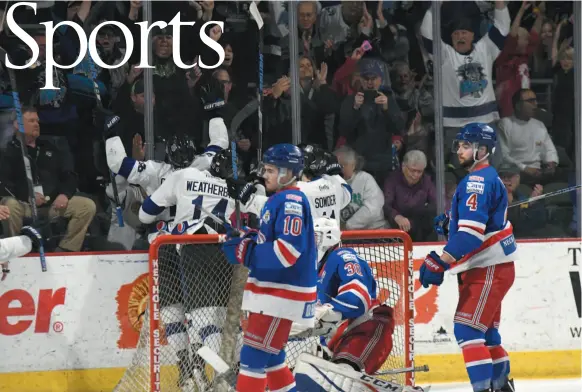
[(472, 202), (219, 209)]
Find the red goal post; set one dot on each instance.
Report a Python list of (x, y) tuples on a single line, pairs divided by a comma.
[(389, 253)]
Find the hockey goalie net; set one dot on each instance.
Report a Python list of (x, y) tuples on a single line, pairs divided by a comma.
[(195, 299)]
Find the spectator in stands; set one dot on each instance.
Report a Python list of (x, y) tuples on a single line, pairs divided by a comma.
[(529, 220), (411, 98), (420, 135), (318, 105), (525, 141), (410, 197), (370, 121), (55, 183), (365, 210), (541, 62), (130, 106), (467, 69), (346, 80), (512, 72), (563, 100)]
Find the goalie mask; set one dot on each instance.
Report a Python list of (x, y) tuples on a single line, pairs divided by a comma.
[(180, 151), (327, 235)]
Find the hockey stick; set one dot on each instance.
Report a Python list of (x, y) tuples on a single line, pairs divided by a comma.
[(224, 372), (255, 14), (423, 368), (544, 196), (377, 383), (93, 78), (25, 157)]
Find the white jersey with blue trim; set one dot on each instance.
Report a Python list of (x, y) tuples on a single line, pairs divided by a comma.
[(327, 196), (479, 233), (185, 189)]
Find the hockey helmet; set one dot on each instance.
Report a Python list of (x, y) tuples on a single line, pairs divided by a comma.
[(478, 134), (314, 160), (286, 156), (222, 165), (327, 234), (180, 151)]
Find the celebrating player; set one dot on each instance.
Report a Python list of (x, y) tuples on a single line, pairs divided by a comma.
[(281, 288), (181, 277), (180, 153), (348, 311), (322, 183), (480, 250)]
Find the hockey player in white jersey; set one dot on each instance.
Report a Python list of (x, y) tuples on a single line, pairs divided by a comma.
[(19, 245), (190, 280), (322, 183), (180, 153)]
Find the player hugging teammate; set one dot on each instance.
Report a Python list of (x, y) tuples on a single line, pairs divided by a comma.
[(480, 250)]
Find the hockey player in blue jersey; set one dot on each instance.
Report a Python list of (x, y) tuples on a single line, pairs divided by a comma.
[(282, 283), (359, 328), (480, 250)]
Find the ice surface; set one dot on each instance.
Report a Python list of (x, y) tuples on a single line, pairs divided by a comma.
[(559, 385)]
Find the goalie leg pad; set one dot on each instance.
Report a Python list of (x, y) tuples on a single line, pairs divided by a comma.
[(279, 377), (367, 345), (476, 355), (173, 319), (499, 357), (310, 378)]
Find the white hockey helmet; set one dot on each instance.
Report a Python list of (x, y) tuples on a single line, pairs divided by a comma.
[(327, 234)]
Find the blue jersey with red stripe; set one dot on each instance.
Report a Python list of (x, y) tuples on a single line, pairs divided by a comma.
[(479, 233), (283, 268), (346, 281)]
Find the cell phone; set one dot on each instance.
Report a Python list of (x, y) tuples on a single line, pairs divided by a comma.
[(370, 96), (366, 46)]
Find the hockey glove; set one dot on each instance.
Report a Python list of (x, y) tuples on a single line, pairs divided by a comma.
[(240, 190), (333, 167), (441, 224), (108, 121), (238, 250), (211, 93), (432, 271), (34, 235)]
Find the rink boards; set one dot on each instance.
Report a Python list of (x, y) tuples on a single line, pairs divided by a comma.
[(74, 328)]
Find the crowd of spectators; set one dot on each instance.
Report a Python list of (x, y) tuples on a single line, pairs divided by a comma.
[(365, 75)]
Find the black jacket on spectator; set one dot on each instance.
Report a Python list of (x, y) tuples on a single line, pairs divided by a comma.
[(318, 107), (51, 168), (369, 131)]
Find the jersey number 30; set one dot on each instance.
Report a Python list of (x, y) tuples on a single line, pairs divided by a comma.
[(472, 202)]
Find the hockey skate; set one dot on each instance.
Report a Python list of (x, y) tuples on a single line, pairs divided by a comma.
[(508, 387)]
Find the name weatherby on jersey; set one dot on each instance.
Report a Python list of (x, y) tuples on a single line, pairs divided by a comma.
[(207, 187)]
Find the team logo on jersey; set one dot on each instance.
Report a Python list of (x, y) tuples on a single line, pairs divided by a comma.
[(291, 196), (473, 80), (266, 217), (292, 208), (475, 187), (348, 257), (162, 226)]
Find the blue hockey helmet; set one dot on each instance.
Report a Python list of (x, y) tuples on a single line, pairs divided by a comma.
[(285, 156), (478, 134)]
